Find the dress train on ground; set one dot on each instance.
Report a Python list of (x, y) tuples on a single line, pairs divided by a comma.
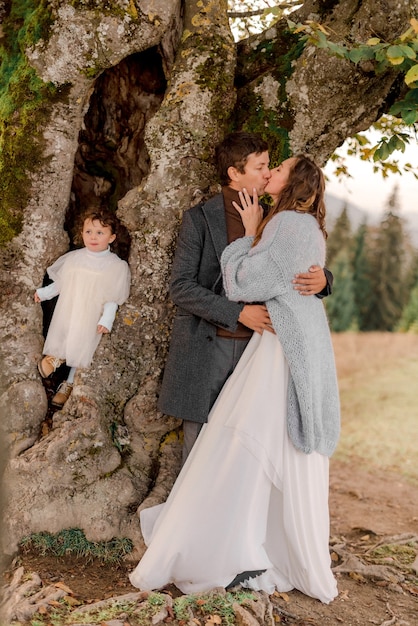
[(246, 498)]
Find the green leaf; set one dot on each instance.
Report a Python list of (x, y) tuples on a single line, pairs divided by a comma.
[(275, 11), (396, 108), (408, 51), (404, 107), (367, 52), (382, 152), (321, 40), (396, 143), (412, 75), (412, 97), (355, 55), (410, 117), (380, 68), (338, 50), (381, 54), (394, 52)]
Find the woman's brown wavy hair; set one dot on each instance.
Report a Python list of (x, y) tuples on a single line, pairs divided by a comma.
[(303, 192)]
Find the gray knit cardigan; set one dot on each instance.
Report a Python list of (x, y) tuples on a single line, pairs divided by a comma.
[(291, 242)]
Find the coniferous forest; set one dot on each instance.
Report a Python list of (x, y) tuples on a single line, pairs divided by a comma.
[(375, 271)]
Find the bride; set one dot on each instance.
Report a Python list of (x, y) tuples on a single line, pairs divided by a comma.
[(251, 501)]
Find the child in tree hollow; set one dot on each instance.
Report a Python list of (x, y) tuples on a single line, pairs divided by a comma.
[(91, 282)]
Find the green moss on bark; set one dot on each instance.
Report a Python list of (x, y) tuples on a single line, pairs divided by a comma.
[(272, 58), (24, 100), (212, 76)]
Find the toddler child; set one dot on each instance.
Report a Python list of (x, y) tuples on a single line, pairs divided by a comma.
[(91, 282)]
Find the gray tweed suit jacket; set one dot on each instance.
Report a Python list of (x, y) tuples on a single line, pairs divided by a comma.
[(196, 288)]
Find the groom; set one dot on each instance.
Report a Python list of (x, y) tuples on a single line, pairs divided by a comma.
[(210, 333)]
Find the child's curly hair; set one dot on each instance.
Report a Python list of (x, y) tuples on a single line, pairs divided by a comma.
[(121, 244)]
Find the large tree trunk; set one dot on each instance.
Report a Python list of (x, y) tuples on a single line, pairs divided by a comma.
[(141, 94)]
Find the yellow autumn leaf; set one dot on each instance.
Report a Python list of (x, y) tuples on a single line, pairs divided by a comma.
[(395, 55), (373, 41), (299, 29), (281, 594), (412, 75), (407, 34), (71, 601), (414, 24), (396, 60), (322, 29)]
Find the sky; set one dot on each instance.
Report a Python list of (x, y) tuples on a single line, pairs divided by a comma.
[(369, 190)]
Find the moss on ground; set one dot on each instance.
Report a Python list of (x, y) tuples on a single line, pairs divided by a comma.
[(73, 541)]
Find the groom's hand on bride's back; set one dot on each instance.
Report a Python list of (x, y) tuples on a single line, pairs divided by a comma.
[(312, 282)]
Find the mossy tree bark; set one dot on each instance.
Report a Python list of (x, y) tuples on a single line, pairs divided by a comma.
[(77, 136)]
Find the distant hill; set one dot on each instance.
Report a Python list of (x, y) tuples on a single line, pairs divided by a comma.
[(358, 215)]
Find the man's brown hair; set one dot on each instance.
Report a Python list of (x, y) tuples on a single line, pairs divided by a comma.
[(234, 151)]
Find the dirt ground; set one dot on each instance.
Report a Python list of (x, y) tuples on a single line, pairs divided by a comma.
[(374, 511), (366, 507)]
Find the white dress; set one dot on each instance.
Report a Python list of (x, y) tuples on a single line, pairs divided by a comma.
[(246, 498), (85, 281)]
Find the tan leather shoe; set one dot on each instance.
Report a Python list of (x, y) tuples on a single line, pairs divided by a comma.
[(62, 395), (48, 365)]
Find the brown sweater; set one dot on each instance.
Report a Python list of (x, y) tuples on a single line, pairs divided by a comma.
[(235, 230)]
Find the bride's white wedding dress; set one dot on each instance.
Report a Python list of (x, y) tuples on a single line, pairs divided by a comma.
[(246, 498)]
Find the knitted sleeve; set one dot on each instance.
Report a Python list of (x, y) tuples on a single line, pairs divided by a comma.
[(290, 244), (251, 274)]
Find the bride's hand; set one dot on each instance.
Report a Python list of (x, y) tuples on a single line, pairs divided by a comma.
[(251, 212)]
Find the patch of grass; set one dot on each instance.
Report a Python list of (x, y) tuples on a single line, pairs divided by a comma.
[(186, 609), (210, 604), (73, 541), (64, 615), (402, 555), (143, 614)]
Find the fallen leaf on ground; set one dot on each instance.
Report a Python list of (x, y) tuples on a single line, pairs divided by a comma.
[(282, 595), (72, 601), (64, 587)]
